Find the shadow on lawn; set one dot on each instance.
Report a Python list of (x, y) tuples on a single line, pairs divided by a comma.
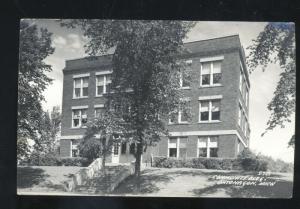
[(28, 176), (281, 189), (146, 183), (210, 174)]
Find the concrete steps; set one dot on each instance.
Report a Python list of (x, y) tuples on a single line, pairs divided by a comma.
[(105, 183)]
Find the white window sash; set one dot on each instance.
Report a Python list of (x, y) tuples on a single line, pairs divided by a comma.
[(211, 74), (105, 83), (209, 111), (177, 144), (79, 119), (81, 85), (209, 145), (80, 116)]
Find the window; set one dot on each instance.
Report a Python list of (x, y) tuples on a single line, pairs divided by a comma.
[(215, 110), (241, 79), (173, 117), (208, 146), (209, 110), (116, 148), (210, 73), (245, 126), (244, 91), (205, 73), (184, 77), (81, 87), (74, 148), (132, 148), (173, 147), (102, 84), (244, 88), (178, 147), (182, 147), (98, 112), (248, 132), (242, 122), (79, 118), (181, 116), (216, 72), (123, 147), (246, 97), (240, 116)]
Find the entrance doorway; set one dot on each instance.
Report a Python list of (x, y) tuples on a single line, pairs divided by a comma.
[(115, 153)]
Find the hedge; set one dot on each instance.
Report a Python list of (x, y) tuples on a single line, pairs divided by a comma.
[(248, 164), (56, 161)]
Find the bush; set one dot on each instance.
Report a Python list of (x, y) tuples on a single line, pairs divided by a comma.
[(246, 160), (52, 160), (78, 161), (200, 163), (251, 162)]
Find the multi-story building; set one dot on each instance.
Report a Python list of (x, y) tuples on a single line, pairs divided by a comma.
[(218, 95)]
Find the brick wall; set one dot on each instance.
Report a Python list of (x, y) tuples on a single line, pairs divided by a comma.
[(229, 47), (68, 100), (227, 146)]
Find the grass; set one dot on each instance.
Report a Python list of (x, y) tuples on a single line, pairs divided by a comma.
[(164, 182), (186, 182), (43, 178)]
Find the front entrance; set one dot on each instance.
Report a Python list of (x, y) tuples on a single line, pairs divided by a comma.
[(115, 153)]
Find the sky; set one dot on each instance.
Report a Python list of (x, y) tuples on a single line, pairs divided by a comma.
[(69, 44)]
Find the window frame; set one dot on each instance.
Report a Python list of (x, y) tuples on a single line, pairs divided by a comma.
[(211, 74), (209, 111), (105, 82), (177, 138), (243, 86), (101, 106), (80, 117), (189, 63), (74, 148), (81, 78), (178, 114), (208, 145)]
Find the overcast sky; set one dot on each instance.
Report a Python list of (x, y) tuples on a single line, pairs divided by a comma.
[(69, 45)]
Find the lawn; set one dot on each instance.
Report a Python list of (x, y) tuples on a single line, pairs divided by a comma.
[(43, 179), (165, 182), (186, 182)]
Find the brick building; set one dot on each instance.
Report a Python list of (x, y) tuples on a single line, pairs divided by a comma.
[(218, 95)]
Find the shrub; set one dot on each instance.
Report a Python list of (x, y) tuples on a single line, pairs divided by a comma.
[(52, 160), (78, 161), (251, 162), (246, 160), (200, 163), (90, 148)]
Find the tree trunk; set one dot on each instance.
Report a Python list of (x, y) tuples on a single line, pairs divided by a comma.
[(103, 160), (104, 145), (138, 157)]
